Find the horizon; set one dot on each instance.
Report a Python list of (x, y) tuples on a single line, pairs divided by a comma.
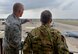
[(38, 18)]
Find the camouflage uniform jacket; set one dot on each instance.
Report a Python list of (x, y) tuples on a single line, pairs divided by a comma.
[(45, 40), (12, 38)]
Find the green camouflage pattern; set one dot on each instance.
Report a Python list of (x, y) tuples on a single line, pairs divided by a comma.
[(45, 40)]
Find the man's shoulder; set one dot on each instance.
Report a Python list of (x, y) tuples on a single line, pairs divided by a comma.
[(55, 30), (35, 31), (56, 33), (10, 16)]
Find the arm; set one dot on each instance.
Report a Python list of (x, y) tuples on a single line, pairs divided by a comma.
[(24, 21), (61, 44), (65, 48), (27, 45)]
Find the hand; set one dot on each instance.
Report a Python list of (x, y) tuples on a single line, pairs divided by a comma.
[(21, 45), (28, 20)]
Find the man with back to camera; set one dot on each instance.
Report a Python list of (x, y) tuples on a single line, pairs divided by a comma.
[(45, 39), (12, 38)]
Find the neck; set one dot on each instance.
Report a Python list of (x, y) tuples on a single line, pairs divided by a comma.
[(16, 15)]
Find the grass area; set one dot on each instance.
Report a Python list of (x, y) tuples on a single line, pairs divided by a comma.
[(67, 21)]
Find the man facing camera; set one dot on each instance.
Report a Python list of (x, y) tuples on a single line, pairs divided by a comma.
[(12, 38)]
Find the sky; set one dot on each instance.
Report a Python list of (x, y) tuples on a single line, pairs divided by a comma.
[(60, 9)]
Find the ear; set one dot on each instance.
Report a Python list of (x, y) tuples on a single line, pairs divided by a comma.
[(19, 11), (50, 20)]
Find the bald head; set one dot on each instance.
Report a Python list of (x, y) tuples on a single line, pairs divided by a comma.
[(18, 9)]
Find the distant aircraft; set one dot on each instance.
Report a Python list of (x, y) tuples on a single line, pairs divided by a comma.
[(72, 49), (72, 34)]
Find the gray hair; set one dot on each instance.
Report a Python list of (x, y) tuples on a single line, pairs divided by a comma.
[(17, 7)]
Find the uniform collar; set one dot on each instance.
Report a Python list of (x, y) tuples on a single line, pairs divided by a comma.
[(15, 16), (46, 26)]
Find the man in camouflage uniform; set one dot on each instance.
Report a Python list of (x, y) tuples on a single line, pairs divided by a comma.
[(45, 39), (12, 39)]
